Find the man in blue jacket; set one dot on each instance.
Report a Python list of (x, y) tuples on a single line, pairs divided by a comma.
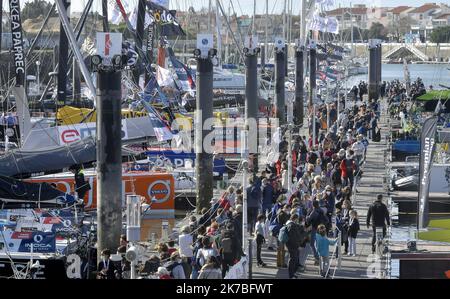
[(268, 194), (254, 195)]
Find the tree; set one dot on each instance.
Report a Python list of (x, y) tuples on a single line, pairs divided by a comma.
[(399, 28), (36, 8), (377, 31), (440, 35)]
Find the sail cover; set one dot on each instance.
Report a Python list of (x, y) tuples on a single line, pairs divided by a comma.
[(16, 194), (49, 159)]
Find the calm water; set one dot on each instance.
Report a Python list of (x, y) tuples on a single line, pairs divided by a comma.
[(431, 74)]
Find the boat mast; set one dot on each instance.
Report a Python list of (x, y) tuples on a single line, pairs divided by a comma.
[(351, 30), (266, 38), (139, 36), (105, 15), (63, 57), (23, 113), (219, 33), (209, 17)]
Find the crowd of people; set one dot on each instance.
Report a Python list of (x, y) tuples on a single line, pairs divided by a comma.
[(299, 213)]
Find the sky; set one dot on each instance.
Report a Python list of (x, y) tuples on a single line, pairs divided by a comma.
[(246, 6)]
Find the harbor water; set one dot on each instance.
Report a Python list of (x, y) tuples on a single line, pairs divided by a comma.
[(431, 74)]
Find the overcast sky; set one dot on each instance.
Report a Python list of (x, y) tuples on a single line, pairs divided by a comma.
[(246, 6)]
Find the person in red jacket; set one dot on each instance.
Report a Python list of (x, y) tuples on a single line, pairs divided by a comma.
[(348, 167)]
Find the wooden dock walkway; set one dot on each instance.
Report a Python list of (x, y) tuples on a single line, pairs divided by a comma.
[(358, 267)]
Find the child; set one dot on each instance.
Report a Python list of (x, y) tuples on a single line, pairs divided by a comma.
[(259, 231), (353, 229), (323, 244)]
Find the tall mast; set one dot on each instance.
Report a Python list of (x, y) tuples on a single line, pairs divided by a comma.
[(266, 38), (254, 18), (105, 15), (139, 36), (284, 20), (209, 17), (63, 57), (219, 33), (351, 28)]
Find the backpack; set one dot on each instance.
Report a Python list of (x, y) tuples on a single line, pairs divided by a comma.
[(348, 165), (283, 236), (227, 245)]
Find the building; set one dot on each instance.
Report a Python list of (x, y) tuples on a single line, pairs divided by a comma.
[(424, 16), (344, 15), (395, 14)]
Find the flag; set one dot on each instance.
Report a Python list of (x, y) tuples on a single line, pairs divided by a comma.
[(151, 86), (164, 77), (427, 149), (183, 73), (161, 128), (134, 17), (165, 18)]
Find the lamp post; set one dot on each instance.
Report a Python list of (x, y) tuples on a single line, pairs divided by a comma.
[(38, 64)]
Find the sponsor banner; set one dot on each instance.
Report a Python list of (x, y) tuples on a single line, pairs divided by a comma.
[(77, 132), (148, 185), (109, 44), (159, 158), (166, 19), (427, 149), (17, 42), (42, 242)]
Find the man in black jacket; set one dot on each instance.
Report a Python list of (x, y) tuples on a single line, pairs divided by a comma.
[(379, 215), (295, 237), (313, 220)]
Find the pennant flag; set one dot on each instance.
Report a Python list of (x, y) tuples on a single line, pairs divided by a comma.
[(183, 72), (161, 128), (427, 149), (166, 19)]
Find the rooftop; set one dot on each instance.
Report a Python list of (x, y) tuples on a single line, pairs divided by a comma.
[(424, 8), (399, 9), (353, 10)]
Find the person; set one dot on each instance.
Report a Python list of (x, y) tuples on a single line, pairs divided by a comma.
[(205, 252), (106, 269), (274, 226), (348, 167), (260, 233), (295, 237), (253, 202), (185, 247), (205, 219), (81, 185), (315, 218), (237, 222), (230, 248), (378, 215), (211, 269), (282, 217), (323, 249), (163, 273), (344, 223), (175, 267), (171, 247), (267, 196), (353, 229), (359, 149)]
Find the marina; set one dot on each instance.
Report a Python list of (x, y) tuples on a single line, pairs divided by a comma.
[(144, 139)]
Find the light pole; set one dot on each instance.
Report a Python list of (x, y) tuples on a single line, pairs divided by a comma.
[(38, 64)]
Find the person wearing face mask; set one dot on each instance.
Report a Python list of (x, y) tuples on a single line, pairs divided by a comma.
[(106, 269)]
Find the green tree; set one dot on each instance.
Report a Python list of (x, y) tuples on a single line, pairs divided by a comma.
[(378, 31), (440, 35), (36, 8)]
